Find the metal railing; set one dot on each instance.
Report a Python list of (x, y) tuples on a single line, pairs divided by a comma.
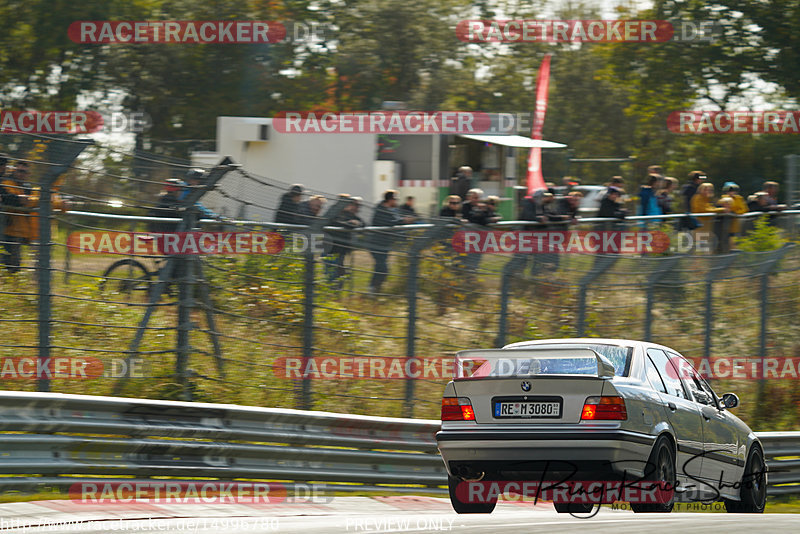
[(56, 440)]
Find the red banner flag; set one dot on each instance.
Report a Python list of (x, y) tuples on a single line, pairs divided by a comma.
[(535, 177)]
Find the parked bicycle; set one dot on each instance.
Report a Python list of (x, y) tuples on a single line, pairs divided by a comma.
[(132, 279)]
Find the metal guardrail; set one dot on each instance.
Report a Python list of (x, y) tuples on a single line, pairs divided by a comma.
[(67, 439), (58, 440)]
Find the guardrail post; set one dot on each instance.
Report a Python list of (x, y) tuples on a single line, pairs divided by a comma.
[(63, 157)]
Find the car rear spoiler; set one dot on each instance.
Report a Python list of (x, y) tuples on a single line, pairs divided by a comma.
[(504, 362)]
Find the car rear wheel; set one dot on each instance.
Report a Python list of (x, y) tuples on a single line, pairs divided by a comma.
[(754, 486), (573, 507), (467, 507), (660, 470)]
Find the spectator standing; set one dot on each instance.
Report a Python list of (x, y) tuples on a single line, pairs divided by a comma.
[(771, 190), (738, 206), (451, 207), (196, 178), (664, 196), (168, 205), (531, 209), (22, 226), (407, 209), (473, 203), (610, 207), (702, 203), (381, 240), (461, 183), (491, 209), (688, 192), (690, 189), (342, 241), (618, 182), (648, 200), (289, 207), (758, 201), (310, 209), (569, 206)]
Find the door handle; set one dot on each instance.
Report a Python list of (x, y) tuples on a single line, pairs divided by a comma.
[(671, 406)]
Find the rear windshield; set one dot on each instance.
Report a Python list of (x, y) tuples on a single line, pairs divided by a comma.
[(522, 362), (619, 356)]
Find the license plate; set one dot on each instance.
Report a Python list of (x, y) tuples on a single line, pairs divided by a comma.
[(527, 409)]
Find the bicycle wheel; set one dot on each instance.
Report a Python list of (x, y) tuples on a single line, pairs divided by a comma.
[(128, 278)]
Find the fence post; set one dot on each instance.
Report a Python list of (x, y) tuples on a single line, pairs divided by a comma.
[(518, 262), (44, 273), (601, 265), (791, 177), (411, 326), (185, 268), (166, 272), (63, 158), (437, 231), (718, 264), (306, 402), (664, 265), (764, 271)]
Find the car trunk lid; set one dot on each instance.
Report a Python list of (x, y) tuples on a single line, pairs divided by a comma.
[(530, 386)]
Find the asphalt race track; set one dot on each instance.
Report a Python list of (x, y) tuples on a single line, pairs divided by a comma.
[(365, 515)]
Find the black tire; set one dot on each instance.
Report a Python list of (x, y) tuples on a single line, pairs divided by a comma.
[(467, 507), (660, 469), (754, 486), (127, 277), (573, 507)]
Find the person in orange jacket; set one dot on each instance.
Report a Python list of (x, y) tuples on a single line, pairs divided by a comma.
[(701, 203), (22, 225), (738, 205)]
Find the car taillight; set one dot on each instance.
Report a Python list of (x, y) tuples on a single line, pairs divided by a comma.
[(457, 409), (604, 408)]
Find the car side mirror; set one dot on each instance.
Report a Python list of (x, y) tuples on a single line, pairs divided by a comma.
[(730, 400)]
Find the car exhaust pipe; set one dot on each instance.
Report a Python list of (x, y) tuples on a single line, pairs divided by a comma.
[(468, 474)]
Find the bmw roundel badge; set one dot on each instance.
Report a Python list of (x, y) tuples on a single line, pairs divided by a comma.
[(525, 385)]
